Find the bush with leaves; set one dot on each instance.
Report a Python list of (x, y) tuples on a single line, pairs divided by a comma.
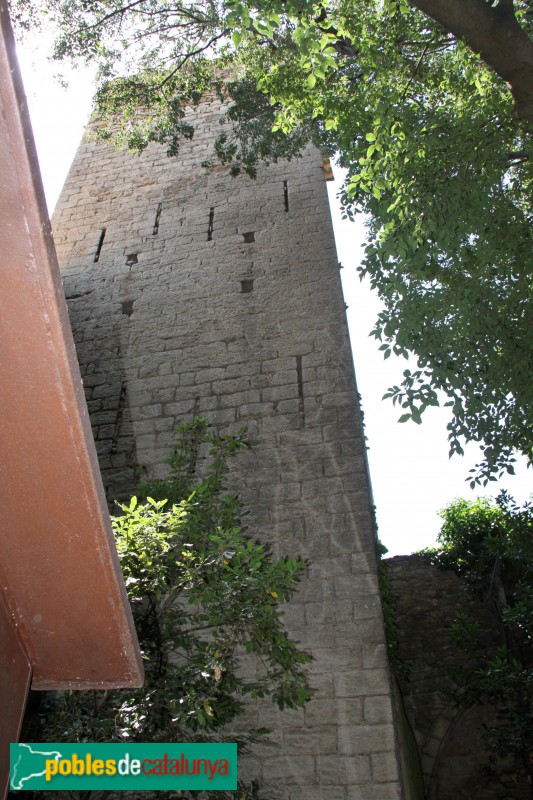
[(490, 545), (201, 593)]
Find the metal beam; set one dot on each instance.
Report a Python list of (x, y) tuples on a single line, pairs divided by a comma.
[(61, 576)]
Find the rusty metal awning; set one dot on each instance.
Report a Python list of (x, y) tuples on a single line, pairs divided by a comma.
[(64, 613)]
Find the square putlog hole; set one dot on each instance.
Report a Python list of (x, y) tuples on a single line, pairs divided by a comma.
[(247, 286), (127, 308), (249, 237), (132, 259)]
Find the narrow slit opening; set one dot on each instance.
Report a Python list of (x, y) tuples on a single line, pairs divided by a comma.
[(286, 194), (300, 380), (100, 245), (210, 224), (118, 418), (157, 218)]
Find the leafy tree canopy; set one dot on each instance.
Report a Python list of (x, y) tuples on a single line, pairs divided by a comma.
[(429, 105)]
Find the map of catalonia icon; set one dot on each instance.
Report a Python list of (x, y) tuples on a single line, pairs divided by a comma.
[(56, 766)]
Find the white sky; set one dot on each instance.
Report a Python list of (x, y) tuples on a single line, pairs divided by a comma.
[(412, 476)]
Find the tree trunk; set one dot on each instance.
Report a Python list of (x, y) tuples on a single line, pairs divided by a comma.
[(494, 33)]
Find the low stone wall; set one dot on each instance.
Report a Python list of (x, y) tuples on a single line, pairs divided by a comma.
[(453, 758)]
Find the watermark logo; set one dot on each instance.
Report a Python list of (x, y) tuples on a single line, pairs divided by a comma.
[(125, 767)]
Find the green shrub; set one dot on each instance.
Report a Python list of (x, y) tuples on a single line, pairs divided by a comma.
[(202, 593)]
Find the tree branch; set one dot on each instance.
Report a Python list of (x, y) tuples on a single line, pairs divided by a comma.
[(494, 33), (116, 12), (411, 79), (189, 55)]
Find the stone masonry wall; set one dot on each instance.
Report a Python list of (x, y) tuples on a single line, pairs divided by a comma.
[(192, 292)]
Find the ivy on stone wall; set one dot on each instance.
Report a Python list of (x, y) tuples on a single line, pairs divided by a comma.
[(400, 667)]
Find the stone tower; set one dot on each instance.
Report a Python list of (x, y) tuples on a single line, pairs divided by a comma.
[(193, 292)]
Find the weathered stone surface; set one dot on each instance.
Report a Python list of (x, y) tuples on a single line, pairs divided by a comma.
[(173, 320)]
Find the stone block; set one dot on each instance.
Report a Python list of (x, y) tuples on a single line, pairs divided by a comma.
[(375, 656), (346, 712), (361, 683), (327, 660), (287, 770), (354, 586), (344, 770), (151, 411), (384, 767), (316, 741), (331, 792), (365, 739), (375, 791)]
